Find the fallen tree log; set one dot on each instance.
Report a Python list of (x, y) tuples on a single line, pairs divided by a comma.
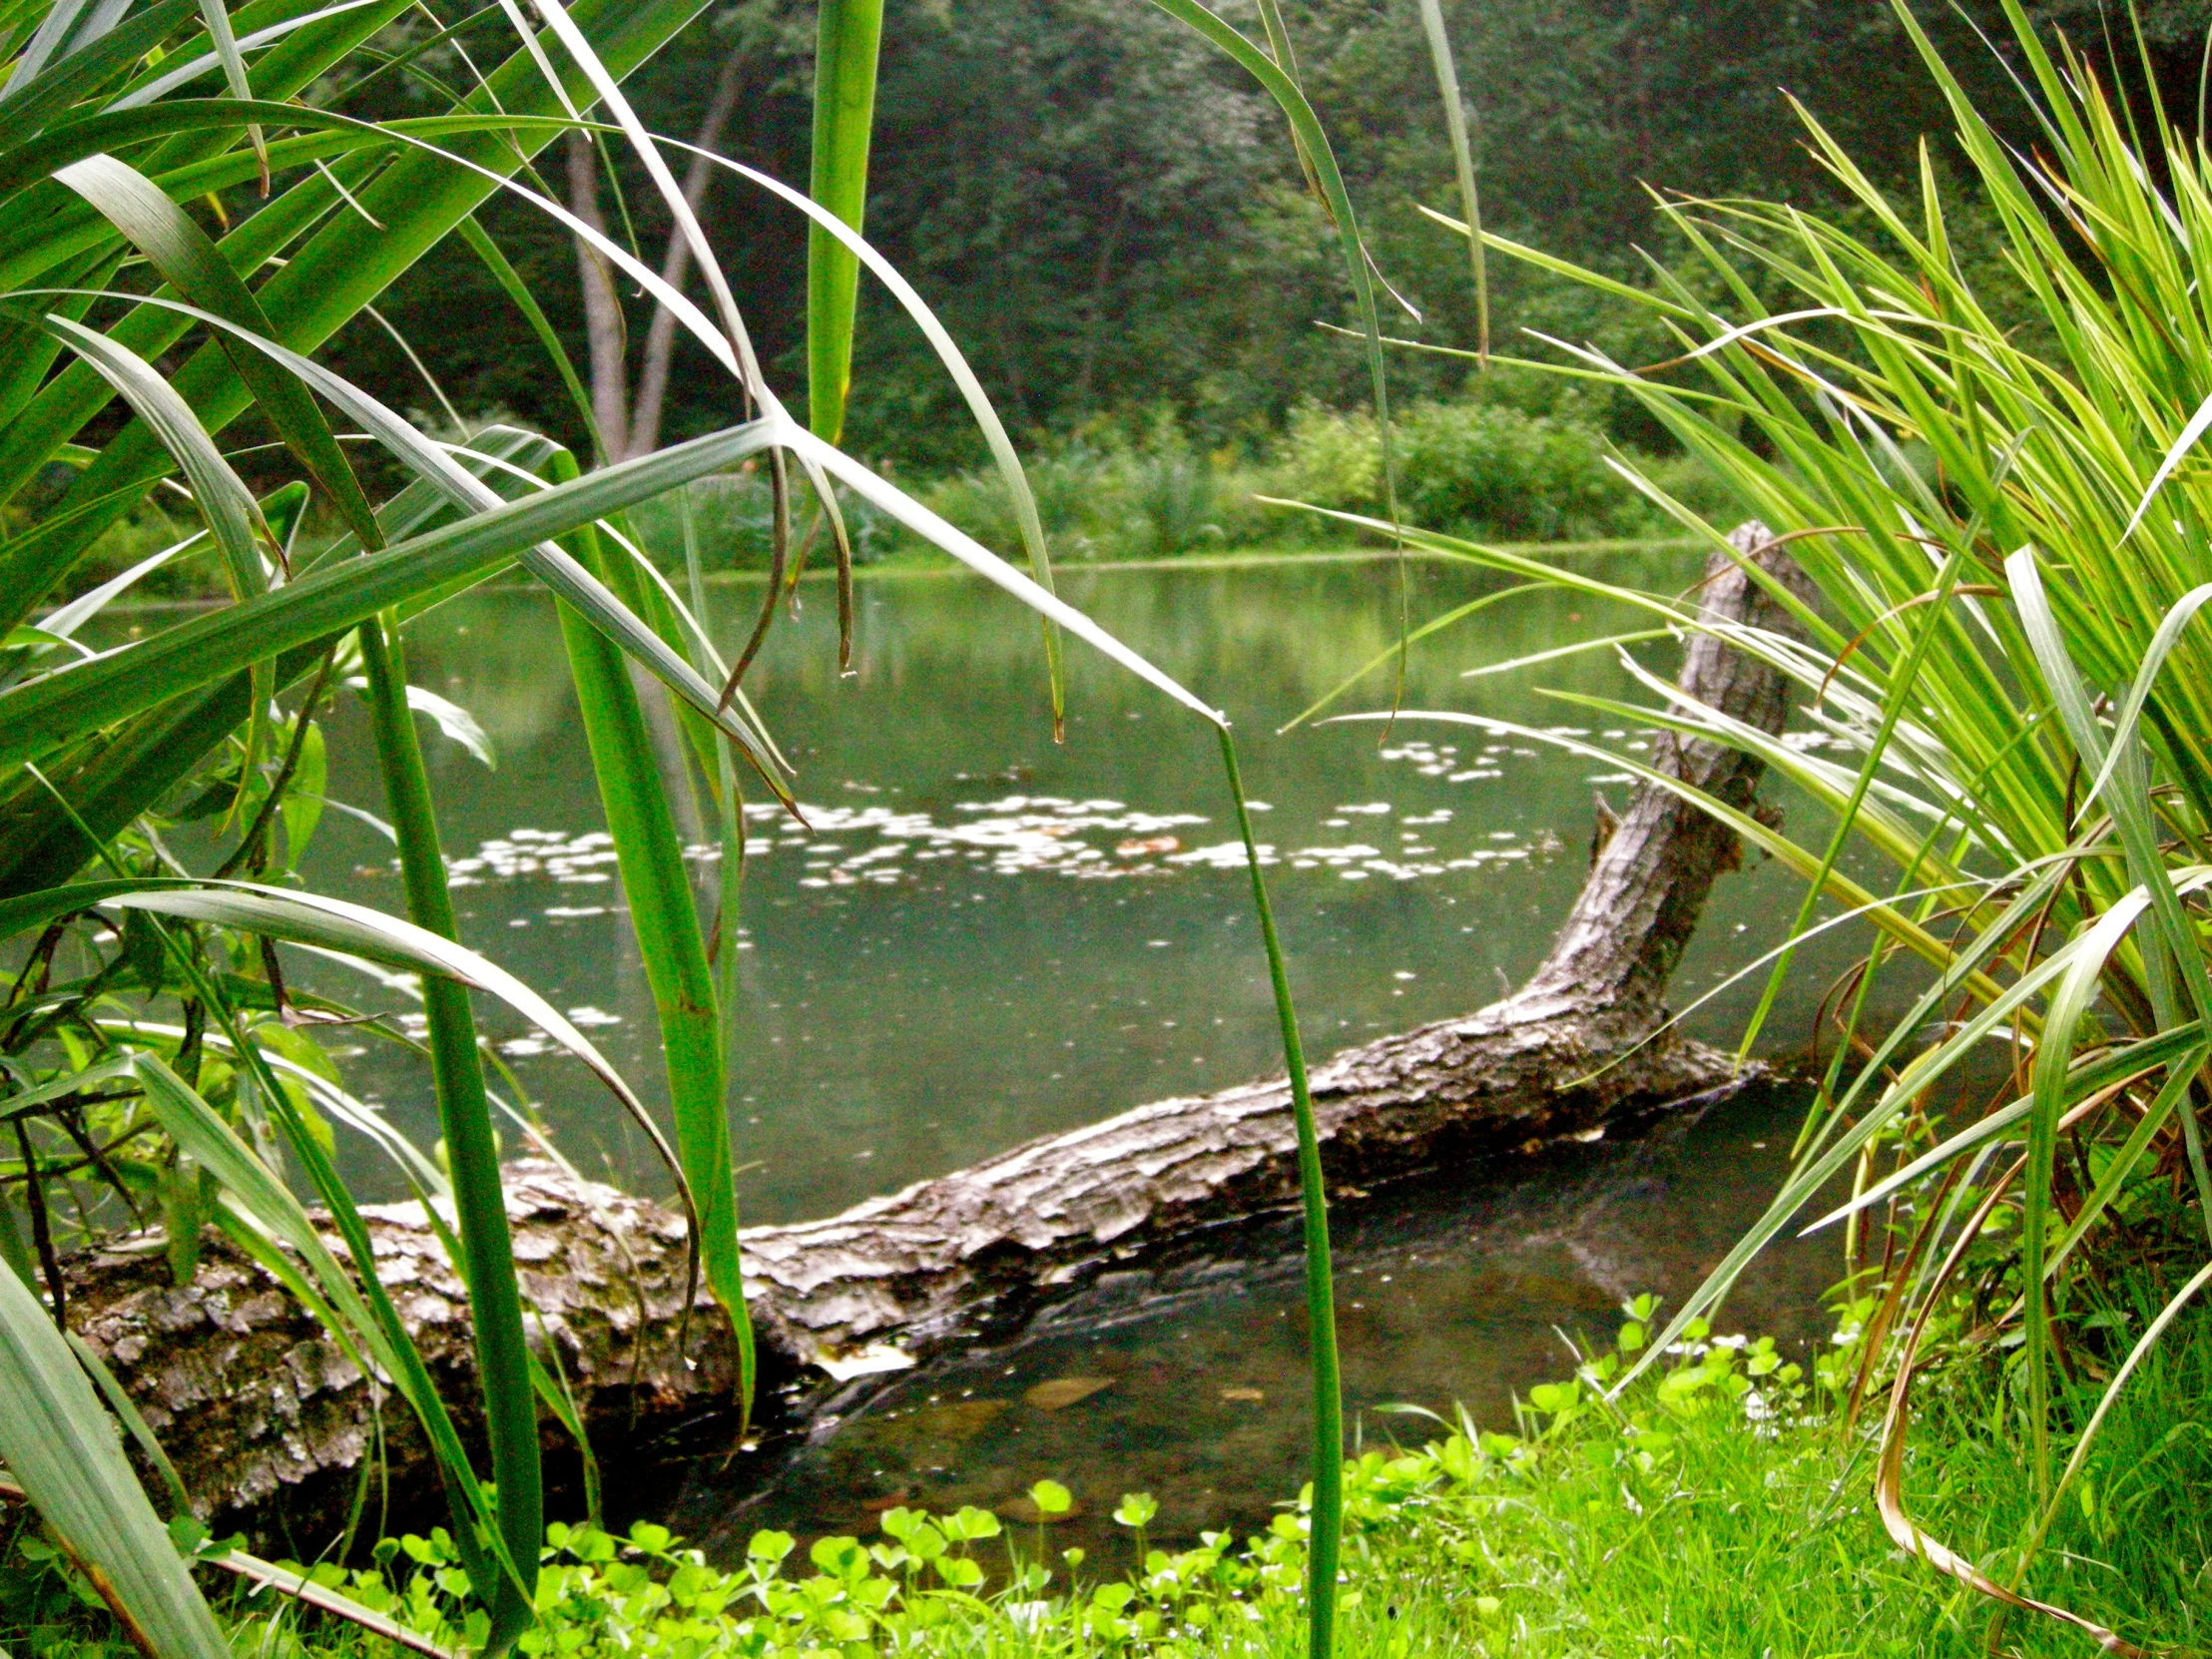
[(253, 1403)]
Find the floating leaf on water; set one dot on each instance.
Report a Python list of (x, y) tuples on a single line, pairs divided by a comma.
[(958, 1421), (1051, 1496), (1063, 1391), (1252, 1396), (1139, 846), (875, 1358)]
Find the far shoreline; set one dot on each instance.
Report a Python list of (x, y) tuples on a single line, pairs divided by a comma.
[(937, 566)]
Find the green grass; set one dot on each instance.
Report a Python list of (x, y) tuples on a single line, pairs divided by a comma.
[(1991, 473), (1731, 1513)]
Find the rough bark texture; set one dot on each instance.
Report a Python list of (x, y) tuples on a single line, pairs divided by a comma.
[(989, 1240), (253, 1401)]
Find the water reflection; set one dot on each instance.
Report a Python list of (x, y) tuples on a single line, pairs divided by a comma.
[(979, 936)]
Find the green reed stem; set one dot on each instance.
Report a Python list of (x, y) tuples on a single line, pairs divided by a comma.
[(377, 1316), (848, 40), (1320, 1294), (472, 1152), (664, 919), (729, 804)]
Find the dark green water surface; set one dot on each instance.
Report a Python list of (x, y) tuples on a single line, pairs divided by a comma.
[(986, 936)]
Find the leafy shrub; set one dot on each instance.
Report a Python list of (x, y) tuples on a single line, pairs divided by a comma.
[(1484, 467), (1469, 467), (1330, 460), (1110, 493), (1524, 477)]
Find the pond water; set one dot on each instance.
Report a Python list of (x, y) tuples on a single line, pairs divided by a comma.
[(1189, 1382), (987, 937), (980, 937)]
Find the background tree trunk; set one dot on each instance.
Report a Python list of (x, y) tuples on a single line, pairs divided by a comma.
[(659, 334), (604, 328), (632, 426)]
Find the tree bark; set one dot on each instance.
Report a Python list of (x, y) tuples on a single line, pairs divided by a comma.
[(604, 328), (253, 1401)]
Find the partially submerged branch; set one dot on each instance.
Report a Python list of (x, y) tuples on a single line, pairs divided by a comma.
[(252, 1400)]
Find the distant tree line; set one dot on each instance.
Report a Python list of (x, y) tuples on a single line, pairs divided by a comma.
[(1111, 220)]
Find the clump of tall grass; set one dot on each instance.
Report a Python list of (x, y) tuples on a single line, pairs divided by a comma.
[(2010, 532), (1115, 491)]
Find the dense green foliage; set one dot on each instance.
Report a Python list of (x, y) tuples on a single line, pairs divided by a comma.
[(1485, 469), (151, 1047), (1108, 219), (1720, 1506), (1991, 473), (126, 985), (1977, 420)]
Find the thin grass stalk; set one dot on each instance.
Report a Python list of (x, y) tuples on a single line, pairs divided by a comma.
[(1326, 1518), (1462, 162), (471, 1154)]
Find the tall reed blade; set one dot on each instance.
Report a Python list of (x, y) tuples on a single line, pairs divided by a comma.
[(728, 805), (657, 886), (471, 1150), (848, 38), (1327, 1520)]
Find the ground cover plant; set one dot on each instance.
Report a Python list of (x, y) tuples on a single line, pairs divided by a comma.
[(1719, 1505)]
